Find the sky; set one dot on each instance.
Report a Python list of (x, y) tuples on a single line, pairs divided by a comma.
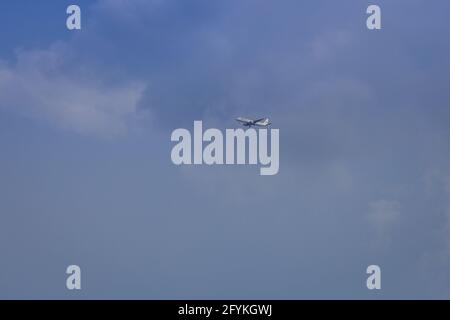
[(86, 176)]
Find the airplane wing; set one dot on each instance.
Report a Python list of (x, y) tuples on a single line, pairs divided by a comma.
[(259, 120), (243, 120)]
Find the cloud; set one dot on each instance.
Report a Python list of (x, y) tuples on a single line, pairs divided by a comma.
[(382, 216), (435, 259), (384, 213), (325, 46), (361, 115), (40, 84)]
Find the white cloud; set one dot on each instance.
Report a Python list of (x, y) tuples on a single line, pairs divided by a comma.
[(40, 84)]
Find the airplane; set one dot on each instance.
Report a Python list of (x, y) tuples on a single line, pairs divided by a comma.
[(263, 122)]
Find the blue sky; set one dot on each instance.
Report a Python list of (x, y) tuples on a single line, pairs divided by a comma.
[(85, 170)]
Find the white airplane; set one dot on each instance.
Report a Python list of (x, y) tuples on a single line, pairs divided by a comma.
[(263, 122)]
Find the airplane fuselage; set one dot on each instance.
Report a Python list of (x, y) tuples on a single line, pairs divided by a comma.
[(256, 123)]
